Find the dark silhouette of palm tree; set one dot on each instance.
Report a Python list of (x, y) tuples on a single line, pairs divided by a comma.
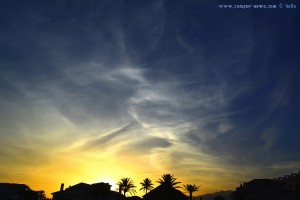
[(41, 195), (126, 185), (168, 180), (191, 189), (147, 185)]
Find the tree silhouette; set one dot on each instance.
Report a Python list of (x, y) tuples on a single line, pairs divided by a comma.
[(147, 185), (126, 185), (191, 189), (168, 180), (41, 195)]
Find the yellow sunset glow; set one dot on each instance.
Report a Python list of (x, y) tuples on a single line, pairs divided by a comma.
[(97, 91)]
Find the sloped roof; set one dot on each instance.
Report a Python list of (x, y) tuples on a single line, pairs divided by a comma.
[(164, 192), (219, 198), (262, 184), (79, 186), (260, 181)]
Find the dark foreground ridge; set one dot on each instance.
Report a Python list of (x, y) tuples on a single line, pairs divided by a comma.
[(282, 188)]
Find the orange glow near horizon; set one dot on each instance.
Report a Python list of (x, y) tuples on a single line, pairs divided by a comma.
[(49, 178), (72, 166)]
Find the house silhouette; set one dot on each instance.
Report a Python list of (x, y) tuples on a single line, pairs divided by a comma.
[(84, 191), (287, 187)]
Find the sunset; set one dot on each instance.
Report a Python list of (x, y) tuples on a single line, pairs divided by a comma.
[(97, 91)]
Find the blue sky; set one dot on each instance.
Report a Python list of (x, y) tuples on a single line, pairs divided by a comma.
[(184, 87)]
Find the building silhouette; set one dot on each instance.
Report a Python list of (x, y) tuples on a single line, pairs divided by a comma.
[(292, 181), (84, 191), (287, 188), (165, 192)]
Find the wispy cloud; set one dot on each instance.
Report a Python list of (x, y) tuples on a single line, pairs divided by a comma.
[(160, 84)]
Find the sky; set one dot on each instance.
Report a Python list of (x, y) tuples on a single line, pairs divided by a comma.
[(94, 91)]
